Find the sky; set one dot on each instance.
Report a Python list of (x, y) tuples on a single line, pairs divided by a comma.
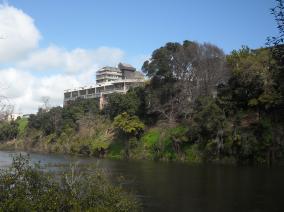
[(47, 46)]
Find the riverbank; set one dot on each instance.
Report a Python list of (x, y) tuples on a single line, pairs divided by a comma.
[(99, 139), (139, 153), (161, 142), (241, 121)]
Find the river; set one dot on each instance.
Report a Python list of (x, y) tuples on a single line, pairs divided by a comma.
[(181, 187)]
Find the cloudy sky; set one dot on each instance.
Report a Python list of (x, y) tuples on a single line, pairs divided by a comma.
[(49, 45)]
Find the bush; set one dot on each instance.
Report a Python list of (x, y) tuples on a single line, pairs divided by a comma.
[(116, 149), (25, 187), (192, 154), (151, 138), (8, 130)]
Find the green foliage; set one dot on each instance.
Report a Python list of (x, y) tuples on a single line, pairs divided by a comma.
[(179, 132), (179, 74), (278, 12), (80, 107), (8, 130), (252, 82), (49, 122), (23, 123), (57, 119), (151, 138), (120, 103), (278, 77), (165, 142), (184, 119), (160, 65), (116, 149), (129, 125), (25, 187), (192, 154), (208, 118)]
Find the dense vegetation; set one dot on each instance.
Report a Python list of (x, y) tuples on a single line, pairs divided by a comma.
[(25, 187), (198, 105)]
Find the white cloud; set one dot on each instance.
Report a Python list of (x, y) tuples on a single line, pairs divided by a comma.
[(25, 91), (16, 86), (48, 58), (72, 62), (17, 32)]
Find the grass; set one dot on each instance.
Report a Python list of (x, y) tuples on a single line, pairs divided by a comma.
[(23, 123)]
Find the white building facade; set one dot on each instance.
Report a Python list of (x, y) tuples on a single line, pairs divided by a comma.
[(108, 80)]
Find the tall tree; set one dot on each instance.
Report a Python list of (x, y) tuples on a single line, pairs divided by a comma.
[(278, 13), (277, 46), (180, 73)]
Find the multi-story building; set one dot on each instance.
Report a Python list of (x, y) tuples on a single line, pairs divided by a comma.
[(108, 80), (107, 74)]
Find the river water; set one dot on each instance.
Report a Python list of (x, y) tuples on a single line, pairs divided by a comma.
[(182, 187)]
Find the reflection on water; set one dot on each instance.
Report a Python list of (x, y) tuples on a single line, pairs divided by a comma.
[(181, 187)]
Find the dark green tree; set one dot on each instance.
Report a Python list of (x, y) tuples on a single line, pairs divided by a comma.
[(179, 74), (207, 127), (49, 122), (119, 103), (252, 84), (129, 126), (276, 43), (8, 130)]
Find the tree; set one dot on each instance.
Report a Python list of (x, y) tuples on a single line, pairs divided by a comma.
[(49, 122), (252, 102), (6, 109), (129, 126), (45, 102), (78, 109), (207, 125), (278, 13), (119, 103), (8, 130), (180, 73), (252, 83), (276, 44)]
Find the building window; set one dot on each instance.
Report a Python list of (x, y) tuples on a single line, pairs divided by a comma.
[(74, 93), (67, 95), (83, 92), (91, 91)]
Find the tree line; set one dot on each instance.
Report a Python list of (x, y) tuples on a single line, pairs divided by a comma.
[(198, 104)]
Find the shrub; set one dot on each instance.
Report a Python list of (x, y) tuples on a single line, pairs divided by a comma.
[(150, 138), (26, 187), (8, 130), (192, 154)]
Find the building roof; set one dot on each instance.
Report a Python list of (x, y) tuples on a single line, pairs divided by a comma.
[(108, 68), (98, 85), (126, 66)]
